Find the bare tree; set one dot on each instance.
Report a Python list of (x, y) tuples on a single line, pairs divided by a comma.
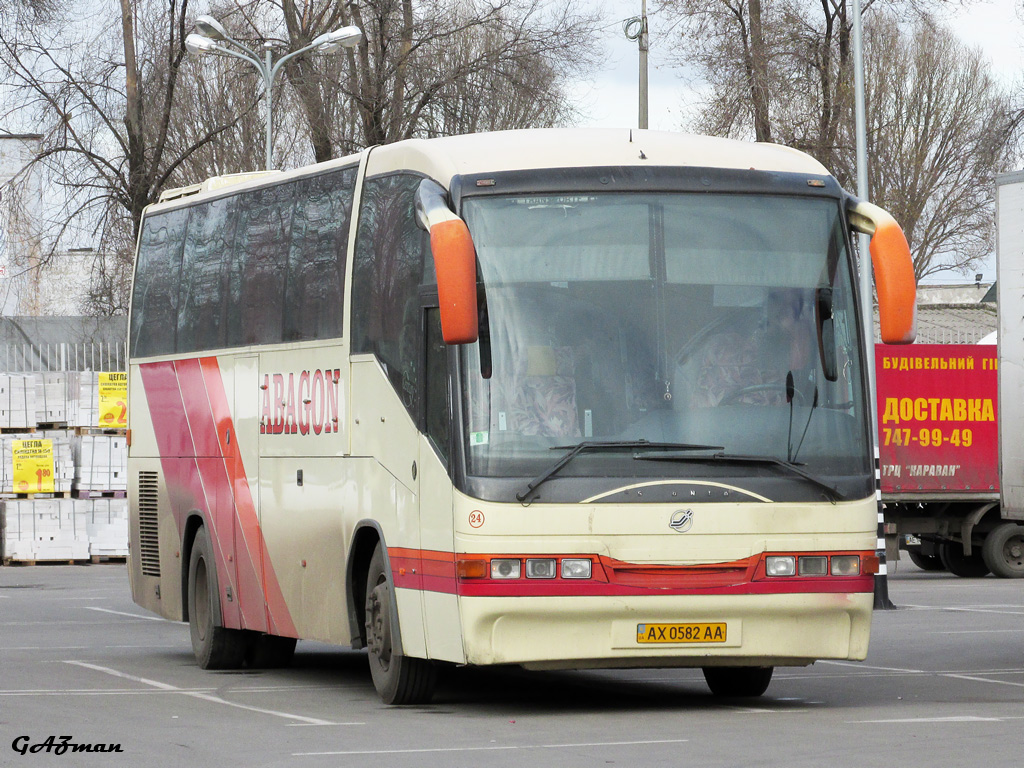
[(939, 128), (425, 68), (105, 106)]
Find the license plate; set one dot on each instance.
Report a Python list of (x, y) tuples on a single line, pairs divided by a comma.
[(682, 633)]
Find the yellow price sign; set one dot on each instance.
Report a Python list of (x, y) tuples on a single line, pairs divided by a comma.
[(32, 466), (113, 399)]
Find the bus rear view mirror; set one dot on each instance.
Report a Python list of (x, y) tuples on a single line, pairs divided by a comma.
[(454, 262), (894, 271), (826, 332)]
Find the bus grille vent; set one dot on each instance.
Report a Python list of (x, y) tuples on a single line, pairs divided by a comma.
[(149, 530)]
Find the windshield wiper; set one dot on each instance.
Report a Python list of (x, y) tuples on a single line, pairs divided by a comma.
[(735, 458), (597, 446)]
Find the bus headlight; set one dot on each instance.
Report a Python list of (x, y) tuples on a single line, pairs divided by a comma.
[(504, 568), (576, 568), (813, 565), (540, 569), (780, 565), (845, 565)]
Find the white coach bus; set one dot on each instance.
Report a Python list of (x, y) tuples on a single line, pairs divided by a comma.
[(563, 399)]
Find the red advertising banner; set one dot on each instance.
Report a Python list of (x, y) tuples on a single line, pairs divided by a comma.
[(937, 428)]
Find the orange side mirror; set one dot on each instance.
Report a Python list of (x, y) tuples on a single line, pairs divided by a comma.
[(454, 262), (893, 268)]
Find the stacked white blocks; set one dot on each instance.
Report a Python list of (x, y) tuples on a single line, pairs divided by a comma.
[(17, 401), (106, 526), (87, 399), (54, 401), (44, 529), (101, 463), (49, 397), (64, 529)]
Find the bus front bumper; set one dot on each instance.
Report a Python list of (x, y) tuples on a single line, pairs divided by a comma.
[(559, 632)]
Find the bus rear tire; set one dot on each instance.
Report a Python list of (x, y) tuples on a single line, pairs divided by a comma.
[(398, 679), (1003, 551), (214, 646), (959, 564), (738, 682)]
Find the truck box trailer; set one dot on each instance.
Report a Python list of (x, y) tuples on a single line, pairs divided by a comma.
[(951, 429)]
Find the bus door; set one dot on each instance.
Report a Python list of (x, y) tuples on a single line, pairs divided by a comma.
[(241, 454), (440, 604)]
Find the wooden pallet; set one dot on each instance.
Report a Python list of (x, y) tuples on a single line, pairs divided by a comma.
[(81, 494), (114, 431), (8, 561), (30, 496), (17, 430), (96, 559)]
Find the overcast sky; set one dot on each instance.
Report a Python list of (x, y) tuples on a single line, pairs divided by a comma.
[(610, 100)]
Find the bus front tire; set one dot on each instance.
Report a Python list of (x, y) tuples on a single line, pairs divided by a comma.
[(214, 646), (738, 682), (398, 679), (1003, 551)]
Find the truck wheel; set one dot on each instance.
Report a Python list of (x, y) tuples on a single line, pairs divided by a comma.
[(738, 682), (959, 564), (1003, 551), (214, 646), (925, 562), (398, 679)]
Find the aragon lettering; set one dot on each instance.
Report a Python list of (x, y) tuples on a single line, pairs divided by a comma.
[(297, 404)]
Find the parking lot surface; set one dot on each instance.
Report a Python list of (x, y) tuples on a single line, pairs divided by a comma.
[(943, 685)]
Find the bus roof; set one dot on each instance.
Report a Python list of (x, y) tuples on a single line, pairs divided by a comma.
[(443, 158), (498, 151)]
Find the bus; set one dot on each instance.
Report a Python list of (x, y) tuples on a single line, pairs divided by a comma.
[(560, 398)]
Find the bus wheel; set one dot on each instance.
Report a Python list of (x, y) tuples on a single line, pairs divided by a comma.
[(959, 564), (923, 561), (738, 682), (398, 679), (214, 646), (1003, 551), (270, 652)]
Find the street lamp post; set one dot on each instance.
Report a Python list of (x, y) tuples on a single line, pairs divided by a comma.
[(211, 37)]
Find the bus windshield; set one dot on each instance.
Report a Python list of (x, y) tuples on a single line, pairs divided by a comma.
[(719, 320)]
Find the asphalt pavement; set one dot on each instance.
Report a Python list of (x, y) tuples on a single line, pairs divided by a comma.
[(943, 685)]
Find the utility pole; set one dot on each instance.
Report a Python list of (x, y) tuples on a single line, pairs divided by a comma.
[(636, 29), (643, 43)]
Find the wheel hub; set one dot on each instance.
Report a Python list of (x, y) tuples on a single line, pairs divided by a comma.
[(378, 624)]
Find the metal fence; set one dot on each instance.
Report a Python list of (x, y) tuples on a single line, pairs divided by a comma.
[(93, 356)]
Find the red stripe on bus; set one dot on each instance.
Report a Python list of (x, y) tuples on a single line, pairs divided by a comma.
[(278, 617), (182, 475), (221, 503), (584, 588), (435, 571), (191, 414)]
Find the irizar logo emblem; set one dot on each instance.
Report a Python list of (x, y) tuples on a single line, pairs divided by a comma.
[(681, 520)]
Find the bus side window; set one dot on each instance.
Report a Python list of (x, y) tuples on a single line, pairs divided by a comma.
[(437, 404), (202, 320), (387, 272), (315, 286), (157, 277), (259, 263)]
